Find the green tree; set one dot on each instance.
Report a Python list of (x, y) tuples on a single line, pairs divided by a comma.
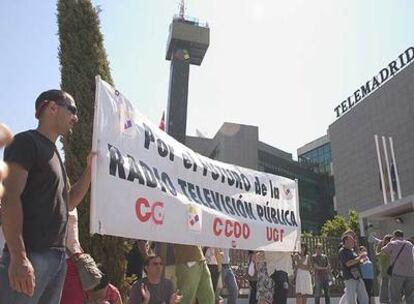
[(334, 227), (353, 222), (82, 56), (338, 225)]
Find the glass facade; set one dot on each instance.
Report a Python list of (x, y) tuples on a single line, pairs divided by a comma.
[(320, 157), (244, 149), (316, 203)]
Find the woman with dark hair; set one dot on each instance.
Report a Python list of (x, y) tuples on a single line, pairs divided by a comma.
[(252, 276), (72, 292), (303, 280)]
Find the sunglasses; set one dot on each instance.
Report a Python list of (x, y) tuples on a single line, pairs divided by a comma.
[(71, 108)]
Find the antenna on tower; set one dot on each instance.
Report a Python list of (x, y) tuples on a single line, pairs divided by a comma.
[(182, 9)]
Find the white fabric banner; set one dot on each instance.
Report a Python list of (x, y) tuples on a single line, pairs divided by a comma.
[(146, 185)]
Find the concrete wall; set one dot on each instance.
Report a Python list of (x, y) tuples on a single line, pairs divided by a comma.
[(237, 144), (198, 144), (388, 111), (384, 226)]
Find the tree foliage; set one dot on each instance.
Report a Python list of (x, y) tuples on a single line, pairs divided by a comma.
[(338, 225), (353, 222), (334, 227), (82, 56)]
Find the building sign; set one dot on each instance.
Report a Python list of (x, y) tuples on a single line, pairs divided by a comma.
[(371, 85)]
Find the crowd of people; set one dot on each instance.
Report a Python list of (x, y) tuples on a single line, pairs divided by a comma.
[(270, 282), (44, 262)]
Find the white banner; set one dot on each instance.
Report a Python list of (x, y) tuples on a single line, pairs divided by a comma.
[(146, 185)]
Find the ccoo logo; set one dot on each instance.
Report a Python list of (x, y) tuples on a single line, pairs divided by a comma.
[(146, 211)]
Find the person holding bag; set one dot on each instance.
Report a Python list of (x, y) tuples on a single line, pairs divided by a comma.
[(72, 289), (350, 260), (82, 273), (402, 268)]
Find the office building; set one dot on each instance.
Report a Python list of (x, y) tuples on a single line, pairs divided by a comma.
[(382, 107), (240, 145)]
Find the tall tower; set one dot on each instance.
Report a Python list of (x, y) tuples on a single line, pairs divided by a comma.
[(187, 44)]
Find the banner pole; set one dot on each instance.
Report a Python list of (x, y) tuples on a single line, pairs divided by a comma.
[(95, 141), (384, 193), (298, 240), (397, 178), (387, 162)]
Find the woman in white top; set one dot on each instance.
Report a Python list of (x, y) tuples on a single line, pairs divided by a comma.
[(72, 290), (303, 280)]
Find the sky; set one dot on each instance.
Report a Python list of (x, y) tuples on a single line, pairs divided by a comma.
[(280, 65)]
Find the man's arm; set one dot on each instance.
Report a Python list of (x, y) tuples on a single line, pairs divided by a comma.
[(378, 248), (174, 297), (328, 266), (353, 262), (5, 138), (21, 273), (387, 249), (348, 259), (119, 298), (135, 296), (315, 264), (80, 188)]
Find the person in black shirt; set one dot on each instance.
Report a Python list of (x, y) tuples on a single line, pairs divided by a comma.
[(36, 203), (320, 263), (5, 138), (154, 289), (354, 285)]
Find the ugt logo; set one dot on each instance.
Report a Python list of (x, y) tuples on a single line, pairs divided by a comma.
[(146, 211)]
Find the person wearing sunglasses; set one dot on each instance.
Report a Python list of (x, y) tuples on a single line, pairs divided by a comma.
[(154, 289), (6, 137), (36, 204)]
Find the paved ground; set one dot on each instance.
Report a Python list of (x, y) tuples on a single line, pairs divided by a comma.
[(310, 301)]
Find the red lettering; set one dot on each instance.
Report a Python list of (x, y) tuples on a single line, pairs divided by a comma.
[(157, 211), (217, 230), (275, 235), (230, 229), (272, 234), (269, 233), (237, 230), (143, 216), (227, 231), (246, 231), (145, 211)]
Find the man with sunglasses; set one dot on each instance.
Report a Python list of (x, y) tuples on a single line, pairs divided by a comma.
[(154, 289), (36, 204)]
